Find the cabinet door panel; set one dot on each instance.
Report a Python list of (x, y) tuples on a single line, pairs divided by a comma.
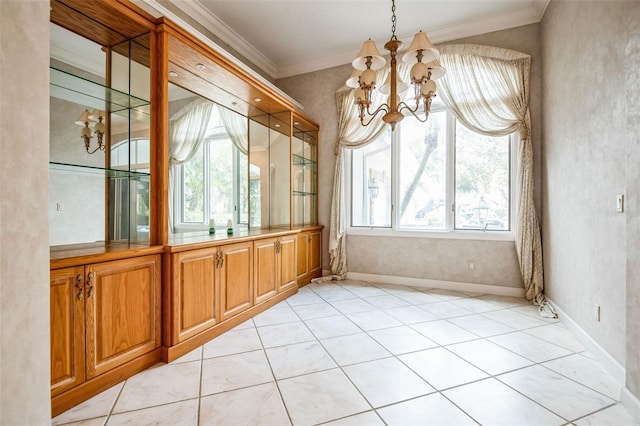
[(67, 328), (287, 263), (194, 293), (236, 281), (123, 311), (265, 269), (302, 258), (315, 252)]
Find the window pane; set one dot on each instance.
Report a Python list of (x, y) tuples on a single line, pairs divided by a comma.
[(221, 176), (482, 181), (371, 183), (193, 190), (422, 172)]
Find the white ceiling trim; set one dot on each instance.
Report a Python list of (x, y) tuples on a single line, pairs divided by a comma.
[(454, 32), (72, 58), (154, 5), (234, 40)]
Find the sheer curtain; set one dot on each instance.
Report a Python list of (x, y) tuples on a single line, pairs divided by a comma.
[(237, 127), (487, 89), (187, 130)]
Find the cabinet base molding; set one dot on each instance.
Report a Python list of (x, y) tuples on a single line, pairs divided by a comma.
[(307, 279), (171, 353), (93, 387)]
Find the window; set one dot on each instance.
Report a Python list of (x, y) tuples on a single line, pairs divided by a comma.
[(213, 183), (434, 176)]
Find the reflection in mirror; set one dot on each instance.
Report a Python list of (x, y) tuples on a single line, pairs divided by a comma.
[(259, 174), (280, 183), (208, 164)]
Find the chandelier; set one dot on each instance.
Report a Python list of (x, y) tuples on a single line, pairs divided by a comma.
[(425, 70)]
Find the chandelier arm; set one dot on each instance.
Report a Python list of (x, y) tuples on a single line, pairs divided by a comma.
[(413, 112), (381, 108), (91, 152)]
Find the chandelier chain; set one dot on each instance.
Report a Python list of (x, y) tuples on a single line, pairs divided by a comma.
[(393, 20)]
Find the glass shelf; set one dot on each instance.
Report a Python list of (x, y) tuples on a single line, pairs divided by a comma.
[(92, 170), (303, 193), (302, 161), (69, 87)]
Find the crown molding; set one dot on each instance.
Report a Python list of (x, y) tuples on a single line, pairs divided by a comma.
[(72, 58), (528, 16), (234, 40)]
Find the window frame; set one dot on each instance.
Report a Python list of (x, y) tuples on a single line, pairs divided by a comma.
[(450, 232)]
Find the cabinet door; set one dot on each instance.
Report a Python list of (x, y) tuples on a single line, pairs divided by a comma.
[(265, 283), (194, 293), (122, 311), (302, 258), (67, 328), (287, 263), (235, 279), (315, 253)]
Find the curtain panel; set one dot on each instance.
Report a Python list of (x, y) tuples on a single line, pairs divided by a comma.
[(487, 90)]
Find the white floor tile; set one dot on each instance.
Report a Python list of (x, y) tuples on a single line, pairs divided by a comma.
[(491, 402), (535, 313), (232, 342), (275, 315), (354, 348), (352, 306), (386, 381), (386, 301), (234, 371), (324, 328), (161, 384), (321, 397), (480, 325), (183, 413), (514, 319), (302, 358), (98, 406), (366, 291), (443, 294), (400, 340), (441, 368), (317, 310), (489, 357), (418, 298), (587, 372), (336, 295), (194, 355), (560, 336), (443, 332), (370, 418), (247, 324), (98, 421), (257, 405), (475, 305), (445, 309), (432, 409), (304, 298), (284, 334), (529, 346), (373, 320), (613, 416), (395, 289), (411, 314), (563, 396), (504, 301)]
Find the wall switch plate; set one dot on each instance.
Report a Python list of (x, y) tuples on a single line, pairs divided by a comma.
[(59, 206), (620, 203)]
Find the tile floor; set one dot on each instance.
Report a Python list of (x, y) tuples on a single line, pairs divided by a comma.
[(355, 353)]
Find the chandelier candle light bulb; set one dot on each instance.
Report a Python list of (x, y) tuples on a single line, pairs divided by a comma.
[(426, 68)]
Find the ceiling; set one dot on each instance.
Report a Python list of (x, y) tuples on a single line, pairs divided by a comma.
[(290, 37)]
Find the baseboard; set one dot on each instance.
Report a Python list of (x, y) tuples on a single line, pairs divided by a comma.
[(609, 363), (630, 403), (447, 285)]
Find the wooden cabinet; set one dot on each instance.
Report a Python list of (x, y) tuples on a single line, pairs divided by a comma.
[(102, 316), (275, 266), (208, 286), (309, 255), (67, 315), (236, 280)]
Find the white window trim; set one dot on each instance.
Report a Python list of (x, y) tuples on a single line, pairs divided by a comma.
[(450, 232)]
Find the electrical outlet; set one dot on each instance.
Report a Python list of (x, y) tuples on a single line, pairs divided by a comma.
[(620, 203), (59, 206), (597, 312), (471, 265)]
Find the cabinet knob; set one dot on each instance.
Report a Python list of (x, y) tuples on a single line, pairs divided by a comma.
[(79, 286), (89, 284)]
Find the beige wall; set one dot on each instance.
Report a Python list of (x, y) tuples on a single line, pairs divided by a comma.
[(591, 153), (496, 263), (24, 230)]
